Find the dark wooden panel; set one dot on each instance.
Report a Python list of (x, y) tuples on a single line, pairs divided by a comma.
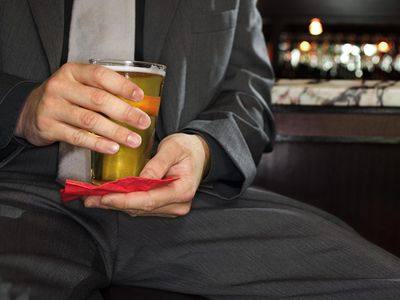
[(356, 182), (350, 8), (337, 124)]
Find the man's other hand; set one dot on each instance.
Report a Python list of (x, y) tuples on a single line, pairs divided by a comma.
[(179, 155)]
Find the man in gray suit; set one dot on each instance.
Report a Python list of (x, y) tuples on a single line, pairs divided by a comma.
[(229, 242)]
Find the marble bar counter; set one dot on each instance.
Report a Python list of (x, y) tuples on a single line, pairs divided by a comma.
[(355, 93)]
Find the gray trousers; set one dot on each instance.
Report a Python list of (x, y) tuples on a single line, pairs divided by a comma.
[(262, 246)]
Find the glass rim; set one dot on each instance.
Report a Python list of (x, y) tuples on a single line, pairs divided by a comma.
[(126, 64)]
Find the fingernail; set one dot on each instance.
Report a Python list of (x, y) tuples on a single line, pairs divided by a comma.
[(137, 95), (144, 121), (134, 140), (112, 148)]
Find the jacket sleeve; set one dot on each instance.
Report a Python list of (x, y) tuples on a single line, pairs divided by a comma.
[(13, 93), (239, 124)]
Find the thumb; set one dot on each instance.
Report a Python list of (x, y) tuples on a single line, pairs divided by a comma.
[(158, 166)]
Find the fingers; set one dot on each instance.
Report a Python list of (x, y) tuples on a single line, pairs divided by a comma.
[(146, 201), (91, 87), (168, 211), (90, 90), (101, 101), (90, 121), (175, 157), (85, 139), (177, 192), (104, 78)]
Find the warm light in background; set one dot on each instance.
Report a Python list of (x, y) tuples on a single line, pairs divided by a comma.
[(305, 46), (316, 27), (383, 47)]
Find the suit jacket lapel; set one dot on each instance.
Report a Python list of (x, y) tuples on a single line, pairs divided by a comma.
[(156, 29), (49, 19)]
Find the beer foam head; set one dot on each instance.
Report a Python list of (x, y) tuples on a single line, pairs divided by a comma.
[(150, 70), (130, 66)]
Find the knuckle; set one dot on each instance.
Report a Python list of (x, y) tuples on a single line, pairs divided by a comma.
[(98, 97), (163, 164), (98, 73), (89, 119), (177, 147), (150, 172), (53, 84), (98, 145), (46, 104), (157, 167), (123, 203), (150, 205), (182, 151), (67, 67), (78, 137), (120, 134), (42, 124), (132, 114), (127, 87)]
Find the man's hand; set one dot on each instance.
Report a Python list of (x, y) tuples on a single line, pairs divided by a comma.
[(72, 104), (179, 155)]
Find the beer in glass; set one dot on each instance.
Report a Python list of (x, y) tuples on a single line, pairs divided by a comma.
[(128, 161)]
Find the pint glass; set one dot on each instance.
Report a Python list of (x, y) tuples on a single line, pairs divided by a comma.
[(128, 161)]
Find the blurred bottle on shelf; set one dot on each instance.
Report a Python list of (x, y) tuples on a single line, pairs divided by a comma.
[(339, 56)]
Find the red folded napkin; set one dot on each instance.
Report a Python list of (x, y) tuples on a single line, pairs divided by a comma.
[(75, 189)]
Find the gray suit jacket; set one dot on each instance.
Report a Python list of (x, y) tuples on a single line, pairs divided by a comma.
[(218, 80)]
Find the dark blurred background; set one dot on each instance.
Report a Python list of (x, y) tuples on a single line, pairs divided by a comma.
[(340, 155), (360, 38)]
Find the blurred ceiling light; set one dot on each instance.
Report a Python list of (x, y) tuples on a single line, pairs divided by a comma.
[(305, 46), (315, 27), (370, 49), (383, 47)]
